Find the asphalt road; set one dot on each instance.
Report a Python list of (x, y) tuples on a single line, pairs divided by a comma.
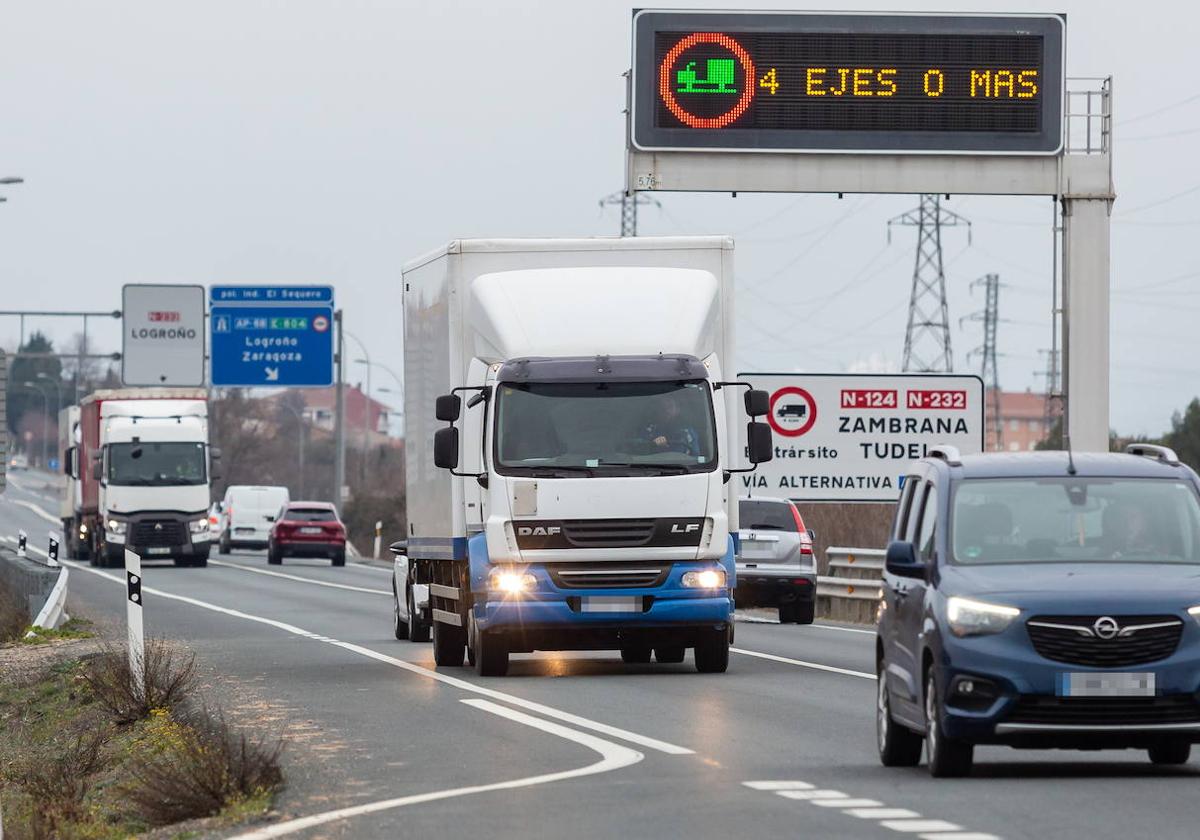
[(582, 745)]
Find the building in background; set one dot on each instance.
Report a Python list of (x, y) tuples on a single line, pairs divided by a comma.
[(1022, 421), (318, 411)]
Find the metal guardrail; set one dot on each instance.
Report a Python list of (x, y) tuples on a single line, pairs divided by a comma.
[(854, 585)]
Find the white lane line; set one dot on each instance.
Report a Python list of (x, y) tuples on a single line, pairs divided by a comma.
[(612, 757), (917, 826), (816, 666), (778, 785), (841, 629), (313, 581), (548, 711), (959, 835), (37, 509), (806, 795), (848, 803), (882, 813)]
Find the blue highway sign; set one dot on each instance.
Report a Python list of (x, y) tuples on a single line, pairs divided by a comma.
[(266, 336)]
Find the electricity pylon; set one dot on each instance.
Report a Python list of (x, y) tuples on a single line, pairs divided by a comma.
[(629, 208)]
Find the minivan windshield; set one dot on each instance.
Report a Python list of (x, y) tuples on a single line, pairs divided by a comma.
[(564, 429), (156, 464), (1122, 520)]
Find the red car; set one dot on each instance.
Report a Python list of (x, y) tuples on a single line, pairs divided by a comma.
[(307, 529)]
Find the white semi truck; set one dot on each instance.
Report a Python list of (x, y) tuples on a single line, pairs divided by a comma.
[(571, 444), (139, 475)]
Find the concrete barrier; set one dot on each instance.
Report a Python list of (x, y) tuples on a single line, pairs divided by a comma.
[(851, 590), (41, 588)]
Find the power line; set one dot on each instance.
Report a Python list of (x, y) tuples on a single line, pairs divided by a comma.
[(1172, 106), (1158, 202)]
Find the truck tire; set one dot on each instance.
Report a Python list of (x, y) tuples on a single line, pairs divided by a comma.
[(635, 654), (418, 628), (449, 645), (200, 558), (223, 545), (491, 654), (670, 655), (712, 652)]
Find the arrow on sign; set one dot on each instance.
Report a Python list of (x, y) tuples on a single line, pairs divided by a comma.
[(272, 374)]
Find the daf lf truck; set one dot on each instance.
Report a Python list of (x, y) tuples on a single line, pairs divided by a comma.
[(142, 471), (572, 438)]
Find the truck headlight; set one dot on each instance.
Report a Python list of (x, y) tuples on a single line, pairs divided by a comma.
[(704, 579), (199, 526), (977, 618), (116, 526), (511, 582)]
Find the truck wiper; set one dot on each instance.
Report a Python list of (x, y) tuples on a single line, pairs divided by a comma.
[(677, 469), (556, 471)]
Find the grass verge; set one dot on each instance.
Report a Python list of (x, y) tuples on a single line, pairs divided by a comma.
[(79, 764), (14, 617)]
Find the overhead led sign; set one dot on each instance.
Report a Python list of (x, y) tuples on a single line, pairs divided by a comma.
[(760, 81)]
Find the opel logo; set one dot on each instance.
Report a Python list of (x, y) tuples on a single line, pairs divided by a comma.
[(1106, 627)]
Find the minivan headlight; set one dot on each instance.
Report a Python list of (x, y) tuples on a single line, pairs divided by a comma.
[(977, 618), (1194, 612)]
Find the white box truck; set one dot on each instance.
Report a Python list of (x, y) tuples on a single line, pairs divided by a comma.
[(571, 444), (141, 469)]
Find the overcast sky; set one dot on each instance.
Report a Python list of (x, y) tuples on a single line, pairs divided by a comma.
[(247, 141)]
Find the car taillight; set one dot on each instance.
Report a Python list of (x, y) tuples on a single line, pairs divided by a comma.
[(805, 540)]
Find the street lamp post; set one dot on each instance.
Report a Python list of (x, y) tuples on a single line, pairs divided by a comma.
[(303, 434)]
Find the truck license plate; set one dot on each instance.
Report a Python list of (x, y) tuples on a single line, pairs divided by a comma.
[(1111, 684), (158, 550), (610, 603)]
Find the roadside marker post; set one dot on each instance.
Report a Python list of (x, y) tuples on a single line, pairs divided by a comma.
[(378, 539), (52, 551), (22, 541), (133, 615)]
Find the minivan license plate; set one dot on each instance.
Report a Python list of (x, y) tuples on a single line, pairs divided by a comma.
[(1110, 684), (610, 603)]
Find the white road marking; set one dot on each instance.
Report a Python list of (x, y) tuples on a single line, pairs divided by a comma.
[(814, 665), (548, 711), (841, 629), (916, 826), (313, 581), (37, 509), (882, 813), (778, 785), (812, 794), (613, 757), (959, 835), (848, 803)]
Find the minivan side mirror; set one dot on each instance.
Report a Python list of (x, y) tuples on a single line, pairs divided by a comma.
[(448, 407), (399, 548), (759, 445), (758, 403), (901, 560), (445, 446)]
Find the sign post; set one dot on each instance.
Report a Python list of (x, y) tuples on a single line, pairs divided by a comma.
[(133, 618), (163, 335), (265, 336), (22, 542), (851, 437)]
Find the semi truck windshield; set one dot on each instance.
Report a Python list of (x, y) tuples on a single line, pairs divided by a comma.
[(156, 464), (603, 428)]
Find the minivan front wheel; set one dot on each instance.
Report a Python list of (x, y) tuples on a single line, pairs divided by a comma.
[(899, 746), (948, 758), (1171, 752)]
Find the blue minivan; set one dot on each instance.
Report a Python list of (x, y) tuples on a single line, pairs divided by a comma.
[(1040, 600)]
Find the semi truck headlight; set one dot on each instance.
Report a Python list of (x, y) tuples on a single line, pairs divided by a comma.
[(199, 526), (976, 618), (511, 582), (704, 579), (115, 526)]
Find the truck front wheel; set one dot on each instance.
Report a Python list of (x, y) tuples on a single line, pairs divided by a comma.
[(491, 654), (712, 652), (449, 644)]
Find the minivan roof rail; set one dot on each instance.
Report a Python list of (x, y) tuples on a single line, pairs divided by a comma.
[(1151, 450), (947, 453)]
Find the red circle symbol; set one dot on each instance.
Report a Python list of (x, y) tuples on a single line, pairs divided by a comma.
[(668, 94), (804, 410), (320, 323)]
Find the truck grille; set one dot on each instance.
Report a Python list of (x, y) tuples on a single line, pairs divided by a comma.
[(608, 533), (1074, 640), (148, 533), (614, 576), (1105, 711)]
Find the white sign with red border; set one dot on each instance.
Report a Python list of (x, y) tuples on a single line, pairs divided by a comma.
[(843, 437), (164, 335)]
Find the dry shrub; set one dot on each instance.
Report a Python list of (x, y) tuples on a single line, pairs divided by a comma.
[(57, 776), (170, 677), (195, 765), (845, 525), (14, 616)]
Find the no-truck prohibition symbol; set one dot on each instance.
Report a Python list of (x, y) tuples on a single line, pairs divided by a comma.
[(793, 411)]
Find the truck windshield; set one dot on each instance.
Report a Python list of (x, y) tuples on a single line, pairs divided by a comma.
[(156, 464), (1074, 520), (604, 428)]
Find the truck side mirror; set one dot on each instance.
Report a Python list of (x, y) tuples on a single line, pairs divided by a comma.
[(445, 446), (758, 403), (758, 442), (447, 408), (97, 470), (214, 453), (67, 459)]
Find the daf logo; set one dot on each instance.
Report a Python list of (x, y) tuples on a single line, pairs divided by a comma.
[(1106, 627), (538, 531), (678, 528)]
